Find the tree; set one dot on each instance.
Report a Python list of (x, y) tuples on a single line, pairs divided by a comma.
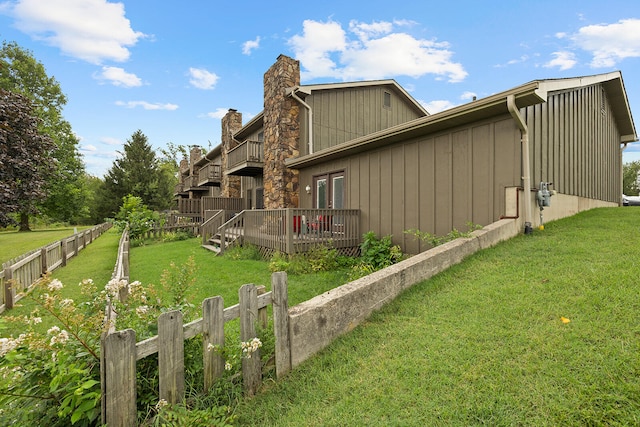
[(630, 178), (21, 73), (137, 173), (26, 167)]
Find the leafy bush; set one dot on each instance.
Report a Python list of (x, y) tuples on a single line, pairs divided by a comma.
[(434, 240), (246, 251), (318, 258), (136, 216), (375, 254), (52, 378)]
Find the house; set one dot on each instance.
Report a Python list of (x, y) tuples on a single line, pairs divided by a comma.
[(347, 158)]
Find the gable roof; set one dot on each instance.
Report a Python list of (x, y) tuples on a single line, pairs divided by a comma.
[(390, 83), (528, 94)]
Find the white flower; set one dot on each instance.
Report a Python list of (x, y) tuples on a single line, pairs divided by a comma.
[(161, 404), (61, 338), (8, 344), (66, 302), (142, 310), (53, 330), (34, 320), (228, 366), (54, 285)]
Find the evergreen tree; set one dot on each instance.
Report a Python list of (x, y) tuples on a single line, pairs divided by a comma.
[(137, 173)]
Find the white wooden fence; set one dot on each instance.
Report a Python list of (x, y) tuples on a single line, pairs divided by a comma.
[(20, 273)]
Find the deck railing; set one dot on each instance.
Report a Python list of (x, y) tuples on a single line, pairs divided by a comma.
[(247, 151), (209, 173), (296, 230)]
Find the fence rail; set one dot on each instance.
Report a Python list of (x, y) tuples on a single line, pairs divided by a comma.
[(20, 273), (120, 351)]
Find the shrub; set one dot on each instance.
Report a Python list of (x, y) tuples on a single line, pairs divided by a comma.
[(375, 254), (245, 252), (136, 216), (434, 240)]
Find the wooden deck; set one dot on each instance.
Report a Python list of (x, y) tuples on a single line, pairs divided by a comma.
[(288, 230)]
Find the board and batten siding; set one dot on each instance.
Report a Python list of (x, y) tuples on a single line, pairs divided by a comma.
[(345, 114), (575, 143), (432, 183)]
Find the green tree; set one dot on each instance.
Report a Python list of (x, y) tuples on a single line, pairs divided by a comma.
[(630, 178), (21, 73), (24, 152), (137, 172)]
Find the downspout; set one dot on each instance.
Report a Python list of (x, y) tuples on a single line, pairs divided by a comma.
[(526, 173), (310, 117), (622, 148)]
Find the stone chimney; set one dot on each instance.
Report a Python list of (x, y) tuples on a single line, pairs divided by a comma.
[(281, 134), (194, 155), (231, 123)]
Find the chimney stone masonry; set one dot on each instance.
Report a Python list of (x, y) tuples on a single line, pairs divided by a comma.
[(281, 134), (231, 123)]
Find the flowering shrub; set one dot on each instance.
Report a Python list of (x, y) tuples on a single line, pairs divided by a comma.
[(52, 378)]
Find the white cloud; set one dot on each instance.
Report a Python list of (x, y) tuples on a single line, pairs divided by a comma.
[(88, 147), (202, 79), (468, 96), (370, 51), (119, 77), (111, 141), (91, 30), (147, 105), (250, 45), (563, 60), (218, 114), (438, 105), (610, 43)]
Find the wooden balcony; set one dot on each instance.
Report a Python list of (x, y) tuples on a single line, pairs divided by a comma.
[(247, 159), (210, 175), (180, 190), (191, 184)]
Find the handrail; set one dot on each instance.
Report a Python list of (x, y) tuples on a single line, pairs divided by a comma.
[(231, 231), (212, 224)]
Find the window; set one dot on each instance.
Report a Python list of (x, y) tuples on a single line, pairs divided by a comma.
[(260, 198), (387, 100)]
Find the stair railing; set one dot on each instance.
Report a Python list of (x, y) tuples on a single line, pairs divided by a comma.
[(209, 228), (231, 231)]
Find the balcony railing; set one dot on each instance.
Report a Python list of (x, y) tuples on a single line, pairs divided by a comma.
[(179, 189), (210, 174), (192, 184), (247, 159)]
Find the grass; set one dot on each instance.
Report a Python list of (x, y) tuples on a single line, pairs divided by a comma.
[(484, 342), (14, 243), (216, 275), (95, 262)]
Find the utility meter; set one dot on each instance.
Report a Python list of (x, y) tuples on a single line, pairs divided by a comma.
[(544, 194)]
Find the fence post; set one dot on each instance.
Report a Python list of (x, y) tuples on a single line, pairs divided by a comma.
[(280, 300), (43, 260), (212, 334), (118, 375), (171, 356), (288, 230), (9, 294), (263, 317), (76, 247), (251, 369), (63, 250)]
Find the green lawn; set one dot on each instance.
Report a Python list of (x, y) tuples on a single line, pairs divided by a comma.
[(14, 243), (484, 343)]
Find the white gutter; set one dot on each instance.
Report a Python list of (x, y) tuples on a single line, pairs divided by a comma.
[(526, 173), (310, 116)]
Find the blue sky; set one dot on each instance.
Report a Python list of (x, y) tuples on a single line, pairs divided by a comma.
[(173, 68)]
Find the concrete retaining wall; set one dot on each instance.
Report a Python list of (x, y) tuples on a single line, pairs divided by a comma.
[(315, 323)]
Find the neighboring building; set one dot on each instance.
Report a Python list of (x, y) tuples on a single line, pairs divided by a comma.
[(369, 146)]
